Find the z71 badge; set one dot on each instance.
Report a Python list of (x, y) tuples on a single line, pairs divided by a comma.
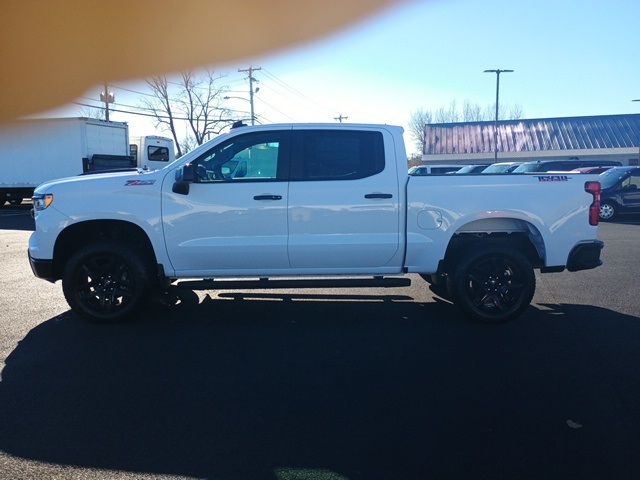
[(138, 183), (552, 178)]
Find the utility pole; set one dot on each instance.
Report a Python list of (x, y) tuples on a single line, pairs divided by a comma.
[(250, 70), (497, 71), (340, 118), (107, 98)]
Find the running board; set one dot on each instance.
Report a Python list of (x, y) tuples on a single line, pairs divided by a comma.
[(265, 283)]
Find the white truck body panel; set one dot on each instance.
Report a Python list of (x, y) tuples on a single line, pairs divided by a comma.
[(35, 151), (320, 227), (555, 212)]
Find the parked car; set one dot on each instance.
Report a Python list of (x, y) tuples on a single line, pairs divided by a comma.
[(311, 200), (562, 165), (620, 191), (469, 169), (592, 170), (502, 167), (433, 169)]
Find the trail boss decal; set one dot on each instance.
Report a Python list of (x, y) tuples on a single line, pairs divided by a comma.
[(138, 183), (553, 178)]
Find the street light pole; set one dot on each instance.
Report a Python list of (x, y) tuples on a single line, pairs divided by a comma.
[(497, 71), (637, 100)]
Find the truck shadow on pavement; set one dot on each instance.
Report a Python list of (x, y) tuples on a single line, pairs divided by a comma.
[(329, 387)]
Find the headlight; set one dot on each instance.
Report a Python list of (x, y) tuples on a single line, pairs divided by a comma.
[(40, 202)]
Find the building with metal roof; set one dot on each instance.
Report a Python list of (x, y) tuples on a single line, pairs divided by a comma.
[(610, 137)]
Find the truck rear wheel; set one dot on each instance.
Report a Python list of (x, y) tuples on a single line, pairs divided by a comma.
[(493, 283), (105, 282)]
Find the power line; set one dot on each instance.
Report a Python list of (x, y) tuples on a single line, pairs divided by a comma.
[(277, 110), (155, 109), (295, 90), (152, 115), (133, 91)]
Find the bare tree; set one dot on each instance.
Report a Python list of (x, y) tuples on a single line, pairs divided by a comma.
[(417, 121), (162, 104), (515, 112), (506, 112), (96, 113), (448, 114), (202, 104), (472, 112), (196, 100)]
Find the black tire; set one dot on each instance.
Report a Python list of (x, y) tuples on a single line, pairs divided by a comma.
[(493, 283), (441, 290), (438, 285), (608, 211), (105, 282)]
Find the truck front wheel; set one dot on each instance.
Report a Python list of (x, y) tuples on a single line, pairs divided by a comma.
[(105, 282), (493, 283)]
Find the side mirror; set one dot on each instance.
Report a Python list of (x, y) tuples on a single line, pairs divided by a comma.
[(188, 173), (184, 178)]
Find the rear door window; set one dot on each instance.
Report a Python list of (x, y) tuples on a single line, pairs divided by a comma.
[(336, 154)]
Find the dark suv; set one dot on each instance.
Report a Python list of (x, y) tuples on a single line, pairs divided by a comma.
[(562, 165), (620, 191)]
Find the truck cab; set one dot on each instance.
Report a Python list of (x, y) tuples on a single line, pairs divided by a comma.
[(152, 152)]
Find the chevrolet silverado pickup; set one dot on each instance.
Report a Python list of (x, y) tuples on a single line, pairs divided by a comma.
[(310, 200)]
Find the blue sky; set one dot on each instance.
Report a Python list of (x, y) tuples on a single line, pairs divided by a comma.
[(570, 58)]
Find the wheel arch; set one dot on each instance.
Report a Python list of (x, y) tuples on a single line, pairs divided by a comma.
[(517, 232), (80, 234)]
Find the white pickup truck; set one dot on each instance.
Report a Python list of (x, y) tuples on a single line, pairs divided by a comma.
[(310, 200)]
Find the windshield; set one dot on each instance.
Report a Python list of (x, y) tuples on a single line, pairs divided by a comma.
[(611, 177), (527, 167), (497, 168), (470, 169)]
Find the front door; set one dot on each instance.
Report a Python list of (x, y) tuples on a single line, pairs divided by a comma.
[(234, 219), (630, 192)]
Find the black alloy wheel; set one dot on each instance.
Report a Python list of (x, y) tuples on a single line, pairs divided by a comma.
[(493, 284), (105, 282)]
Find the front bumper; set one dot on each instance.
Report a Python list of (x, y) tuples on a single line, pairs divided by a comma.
[(42, 268), (585, 255)]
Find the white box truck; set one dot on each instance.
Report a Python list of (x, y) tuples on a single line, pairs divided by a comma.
[(38, 150), (152, 152)]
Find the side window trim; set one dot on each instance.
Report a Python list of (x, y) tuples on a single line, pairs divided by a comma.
[(295, 166)]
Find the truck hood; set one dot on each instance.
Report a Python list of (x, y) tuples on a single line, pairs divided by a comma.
[(93, 181)]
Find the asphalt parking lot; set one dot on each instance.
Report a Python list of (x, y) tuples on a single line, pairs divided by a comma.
[(328, 384)]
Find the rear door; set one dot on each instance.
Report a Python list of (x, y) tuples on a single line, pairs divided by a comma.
[(343, 200)]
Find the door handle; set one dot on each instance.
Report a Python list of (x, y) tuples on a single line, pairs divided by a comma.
[(268, 197), (378, 195)]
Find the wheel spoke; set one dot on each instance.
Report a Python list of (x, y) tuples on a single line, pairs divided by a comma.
[(104, 283), (495, 284)]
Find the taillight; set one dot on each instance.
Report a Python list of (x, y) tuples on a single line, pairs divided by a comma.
[(594, 210)]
